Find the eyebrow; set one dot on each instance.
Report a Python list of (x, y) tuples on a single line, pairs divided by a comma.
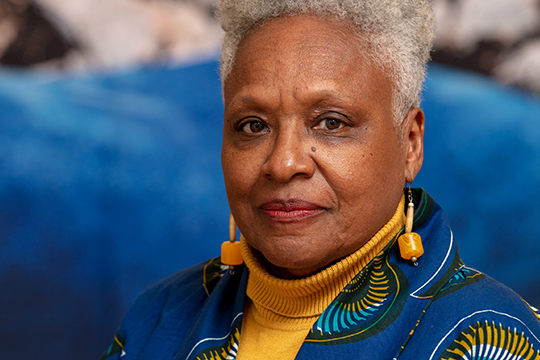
[(247, 98), (326, 97), (315, 93)]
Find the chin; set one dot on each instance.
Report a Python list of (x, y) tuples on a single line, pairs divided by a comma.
[(299, 264)]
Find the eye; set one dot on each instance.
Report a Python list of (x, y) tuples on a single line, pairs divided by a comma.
[(330, 124), (253, 127)]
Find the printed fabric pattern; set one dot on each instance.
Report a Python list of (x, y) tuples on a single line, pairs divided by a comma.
[(440, 309)]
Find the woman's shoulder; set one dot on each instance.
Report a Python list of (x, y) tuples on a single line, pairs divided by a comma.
[(474, 312), (172, 303), (471, 289), (204, 275), (191, 285)]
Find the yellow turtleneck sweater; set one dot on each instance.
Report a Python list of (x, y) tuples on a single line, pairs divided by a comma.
[(278, 313)]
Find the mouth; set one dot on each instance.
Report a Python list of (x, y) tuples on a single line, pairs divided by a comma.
[(291, 210)]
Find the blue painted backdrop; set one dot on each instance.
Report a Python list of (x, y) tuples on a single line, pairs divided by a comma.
[(111, 182)]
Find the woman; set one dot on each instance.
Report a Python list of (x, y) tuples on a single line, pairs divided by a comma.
[(321, 131)]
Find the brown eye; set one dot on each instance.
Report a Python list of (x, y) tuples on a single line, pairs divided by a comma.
[(332, 124), (329, 124), (254, 127)]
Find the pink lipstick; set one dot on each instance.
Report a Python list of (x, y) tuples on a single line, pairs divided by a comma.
[(290, 210)]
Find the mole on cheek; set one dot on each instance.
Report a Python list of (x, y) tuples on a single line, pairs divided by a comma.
[(313, 149)]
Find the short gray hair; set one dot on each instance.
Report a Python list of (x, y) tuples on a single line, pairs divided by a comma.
[(398, 34)]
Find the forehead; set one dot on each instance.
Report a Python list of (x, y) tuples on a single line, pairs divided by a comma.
[(302, 35), (304, 52)]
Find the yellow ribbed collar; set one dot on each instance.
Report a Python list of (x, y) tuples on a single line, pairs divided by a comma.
[(302, 299)]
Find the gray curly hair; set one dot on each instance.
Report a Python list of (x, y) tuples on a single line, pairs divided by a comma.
[(398, 34)]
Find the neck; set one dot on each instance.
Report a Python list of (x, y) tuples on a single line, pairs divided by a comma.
[(279, 292), (289, 274)]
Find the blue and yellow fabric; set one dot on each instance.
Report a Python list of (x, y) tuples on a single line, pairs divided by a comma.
[(440, 309)]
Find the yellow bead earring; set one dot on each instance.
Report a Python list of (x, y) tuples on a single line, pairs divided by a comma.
[(410, 243), (231, 254)]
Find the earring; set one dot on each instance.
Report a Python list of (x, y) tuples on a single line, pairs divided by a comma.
[(410, 243), (231, 254)]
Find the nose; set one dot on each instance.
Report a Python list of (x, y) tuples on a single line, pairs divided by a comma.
[(289, 158)]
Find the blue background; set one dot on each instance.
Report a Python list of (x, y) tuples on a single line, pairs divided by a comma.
[(109, 182)]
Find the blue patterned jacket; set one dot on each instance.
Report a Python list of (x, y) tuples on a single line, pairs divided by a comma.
[(440, 309)]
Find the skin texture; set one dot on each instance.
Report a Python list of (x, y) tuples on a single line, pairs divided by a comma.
[(313, 163)]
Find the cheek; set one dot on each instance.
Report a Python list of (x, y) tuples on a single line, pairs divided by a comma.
[(346, 168), (240, 173), (362, 172)]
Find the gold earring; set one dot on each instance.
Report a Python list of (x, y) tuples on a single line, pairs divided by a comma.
[(231, 253), (410, 243)]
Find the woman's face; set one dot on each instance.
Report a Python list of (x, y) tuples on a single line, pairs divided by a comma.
[(312, 161)]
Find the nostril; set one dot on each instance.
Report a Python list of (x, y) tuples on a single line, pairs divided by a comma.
[(286, 165)]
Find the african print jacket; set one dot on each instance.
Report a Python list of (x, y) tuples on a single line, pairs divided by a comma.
[(440, 309)]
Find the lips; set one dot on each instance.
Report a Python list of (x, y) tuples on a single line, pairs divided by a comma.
[(291, 210)]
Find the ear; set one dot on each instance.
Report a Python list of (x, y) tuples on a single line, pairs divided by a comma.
[(412, 131)]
